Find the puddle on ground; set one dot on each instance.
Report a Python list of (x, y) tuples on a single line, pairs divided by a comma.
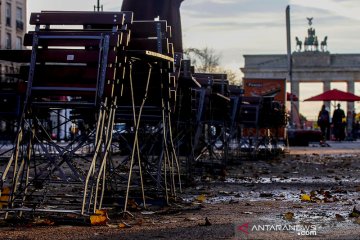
[(327, 209), (328, 179)]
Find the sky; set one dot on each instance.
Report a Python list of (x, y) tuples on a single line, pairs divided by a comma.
[(234, 28)]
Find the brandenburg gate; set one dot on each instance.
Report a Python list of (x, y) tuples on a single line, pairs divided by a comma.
[(310, 64)]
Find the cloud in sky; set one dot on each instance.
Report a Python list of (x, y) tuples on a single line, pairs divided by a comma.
[(248, 26), (196, 2), (344, 8), (238, 27), (252, 18), (258, 26)]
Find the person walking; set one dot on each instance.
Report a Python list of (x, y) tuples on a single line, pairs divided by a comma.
[(337, 121), (323, 122)]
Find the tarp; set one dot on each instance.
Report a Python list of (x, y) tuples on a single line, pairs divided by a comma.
[(335, 95)]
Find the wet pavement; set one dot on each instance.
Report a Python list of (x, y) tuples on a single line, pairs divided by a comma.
[(316, 185), (342, 147), (310, 186)]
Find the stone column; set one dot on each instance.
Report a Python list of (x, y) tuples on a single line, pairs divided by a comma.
[(326, 87), (351, 89), (350, 108), (295, 89)]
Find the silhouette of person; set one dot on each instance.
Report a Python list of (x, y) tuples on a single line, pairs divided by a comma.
[(324, 122), (337, 121)]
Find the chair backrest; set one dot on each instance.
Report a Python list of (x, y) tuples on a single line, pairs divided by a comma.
[(75, 56), (152, 57)]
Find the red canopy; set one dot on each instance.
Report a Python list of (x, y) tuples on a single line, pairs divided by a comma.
[(294, 97), (335, 95)]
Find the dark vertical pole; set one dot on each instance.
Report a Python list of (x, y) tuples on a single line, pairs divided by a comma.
[(97, 7), (58, 126), (288, 38)]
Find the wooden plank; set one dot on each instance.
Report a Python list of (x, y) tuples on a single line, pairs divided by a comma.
[(64, 74), (215, 76), (251, 100), (76, 18), (145, 29), (72, 39), (64, 90), (150, 55), (73, 56), (204, 81), (149, 44), (69, 89)]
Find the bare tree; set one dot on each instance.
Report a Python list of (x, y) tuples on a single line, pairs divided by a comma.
[(233, 78), (206, 60)]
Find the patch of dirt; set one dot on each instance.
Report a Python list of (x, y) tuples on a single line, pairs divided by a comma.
[(309, 187)]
